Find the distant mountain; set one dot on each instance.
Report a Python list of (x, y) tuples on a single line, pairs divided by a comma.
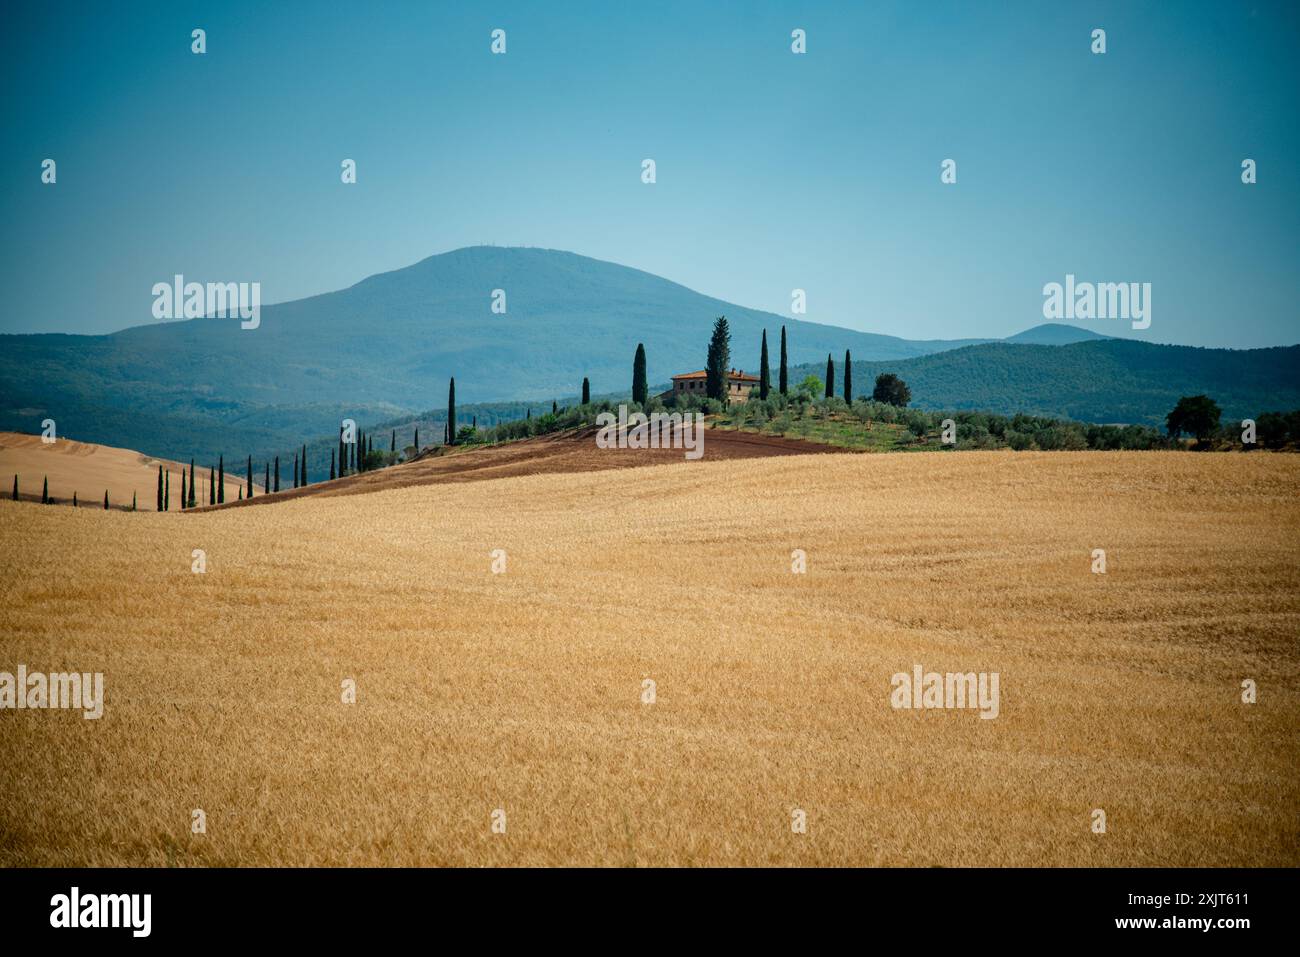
[(1054, 334), (1100, 380), (386, 347)]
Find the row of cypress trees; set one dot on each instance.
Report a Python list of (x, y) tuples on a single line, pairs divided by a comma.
[(46, 500)]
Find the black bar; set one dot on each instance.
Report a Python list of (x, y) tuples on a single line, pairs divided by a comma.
[(924, 907)]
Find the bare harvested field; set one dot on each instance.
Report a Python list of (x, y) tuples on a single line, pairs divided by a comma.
[(523, 691), (89, 469), (558, 453)]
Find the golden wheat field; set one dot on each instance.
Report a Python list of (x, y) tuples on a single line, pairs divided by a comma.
[(523, 691)]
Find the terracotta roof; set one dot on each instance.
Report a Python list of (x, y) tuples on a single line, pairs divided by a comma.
[(734, 374)]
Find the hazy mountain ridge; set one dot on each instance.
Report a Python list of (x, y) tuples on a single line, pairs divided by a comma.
[(385, 347), (1099, 380)]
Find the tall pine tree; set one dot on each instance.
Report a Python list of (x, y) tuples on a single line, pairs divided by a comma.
[(193, 494), (249, 481), (764, 373), (848, 376), (295, 470), (212, 485), (331, 465), (718, 367), (167, 493), (221, 481), (586, 391), (277, 473), (830, 376), (639, 386), (783, 382), (160, 488), (266, 480), (183, 499), (451, 413)]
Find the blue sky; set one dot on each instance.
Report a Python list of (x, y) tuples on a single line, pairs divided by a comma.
[(775, 171)]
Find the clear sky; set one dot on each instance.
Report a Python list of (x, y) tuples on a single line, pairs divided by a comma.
[(775, 170)]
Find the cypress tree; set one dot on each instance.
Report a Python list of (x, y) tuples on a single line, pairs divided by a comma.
[(331, 465), (417, 440), (473, 422), (392, 444), (783, 383), (160, 508), (553, 407), (718, 364), (343, 459), (45, 492), (221, 481), (295, 470), (250, 476), (133, 501), (529, 413), (106, 500), (167, 492), (15, 488), (212, 485), (304, 466), (241, 493), (764, 373), (266, 481), (830, 376), (848, 376), (193, 494), (451, 412), (277, 473), (586, 391), (444, 434), (74, 499), (639, 387), (183, 490)]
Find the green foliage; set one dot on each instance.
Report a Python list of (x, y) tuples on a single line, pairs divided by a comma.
[(451, 411), (1196, 415), (718, 363), (891, 389), (811, 386), (639, 387), (784, 387)]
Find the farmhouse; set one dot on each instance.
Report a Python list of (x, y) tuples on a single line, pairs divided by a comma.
[(692, 383)]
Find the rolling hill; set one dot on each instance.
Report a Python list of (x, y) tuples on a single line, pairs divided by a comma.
[(384, 346), (381, 351), (1098, 380)]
